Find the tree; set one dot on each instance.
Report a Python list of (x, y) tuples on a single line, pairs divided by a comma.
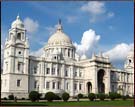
[(65, 96), (57, 97), (79, 96), (34, 96), (113, 95), (11, 97), (101, 96), (91, 96), (49, 96)]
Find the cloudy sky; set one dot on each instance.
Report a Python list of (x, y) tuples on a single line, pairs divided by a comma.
[(105, 27)]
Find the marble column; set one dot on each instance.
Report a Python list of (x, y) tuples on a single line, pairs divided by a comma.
[(63, 77), (72, 81), (108, 81), (51, 69), (94, 85)]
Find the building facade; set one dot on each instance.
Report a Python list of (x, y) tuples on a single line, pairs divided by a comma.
[(59, 69)]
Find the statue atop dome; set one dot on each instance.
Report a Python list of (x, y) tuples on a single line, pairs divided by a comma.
[(59, 26)]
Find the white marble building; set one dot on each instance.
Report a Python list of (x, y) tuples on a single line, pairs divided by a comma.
[(59, 69)]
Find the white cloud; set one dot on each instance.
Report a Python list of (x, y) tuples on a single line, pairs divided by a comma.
[(94, 7), (31, 25), (51, 29), (97, 11), (119, 52), (88, 42), (71, 19)]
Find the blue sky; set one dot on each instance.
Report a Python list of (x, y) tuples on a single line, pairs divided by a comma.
[(112, 21)]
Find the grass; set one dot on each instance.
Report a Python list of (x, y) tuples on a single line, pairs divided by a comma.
[(72, 103)]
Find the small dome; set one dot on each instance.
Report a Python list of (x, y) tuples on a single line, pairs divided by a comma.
[(17, 23), (59, 37)]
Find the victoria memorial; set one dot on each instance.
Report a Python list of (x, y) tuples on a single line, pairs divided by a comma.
[(59, 69)]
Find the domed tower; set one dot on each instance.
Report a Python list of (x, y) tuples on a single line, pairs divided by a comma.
[(129, 64), (60, 46), (15, 66), (129, 69)]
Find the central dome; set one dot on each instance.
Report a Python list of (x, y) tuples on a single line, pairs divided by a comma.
[(59, 37)]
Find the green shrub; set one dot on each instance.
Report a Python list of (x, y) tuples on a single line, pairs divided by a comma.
[(34, 96), (127, 96), (57, 97), (23, 98), (106, 96), (4, 98), (11, 97), (80, 95), (118, 95), (113, 95), (65, 96), (101, 96), (91, 96), (49, 96)]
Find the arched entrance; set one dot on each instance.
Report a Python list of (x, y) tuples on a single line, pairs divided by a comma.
[(101, 85), (89, 87)]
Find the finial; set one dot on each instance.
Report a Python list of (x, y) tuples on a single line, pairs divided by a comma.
[(59, 21), (59, 26)]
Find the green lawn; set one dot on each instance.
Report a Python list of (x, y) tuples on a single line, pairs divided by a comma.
[(73, 103)]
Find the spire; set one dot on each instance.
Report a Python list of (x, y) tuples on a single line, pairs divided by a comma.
[(59, 21), (59, 26)]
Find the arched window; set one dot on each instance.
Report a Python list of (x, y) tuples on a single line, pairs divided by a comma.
[(19, 36), (58, 85), (18, 83), (47, 85), (66, 73), (53, 85), (80, 86)]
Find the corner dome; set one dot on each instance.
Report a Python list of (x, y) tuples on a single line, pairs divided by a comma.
[(17, 23), (59, 37)]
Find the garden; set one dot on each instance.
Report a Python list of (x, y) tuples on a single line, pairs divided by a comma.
[(52, 99)]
